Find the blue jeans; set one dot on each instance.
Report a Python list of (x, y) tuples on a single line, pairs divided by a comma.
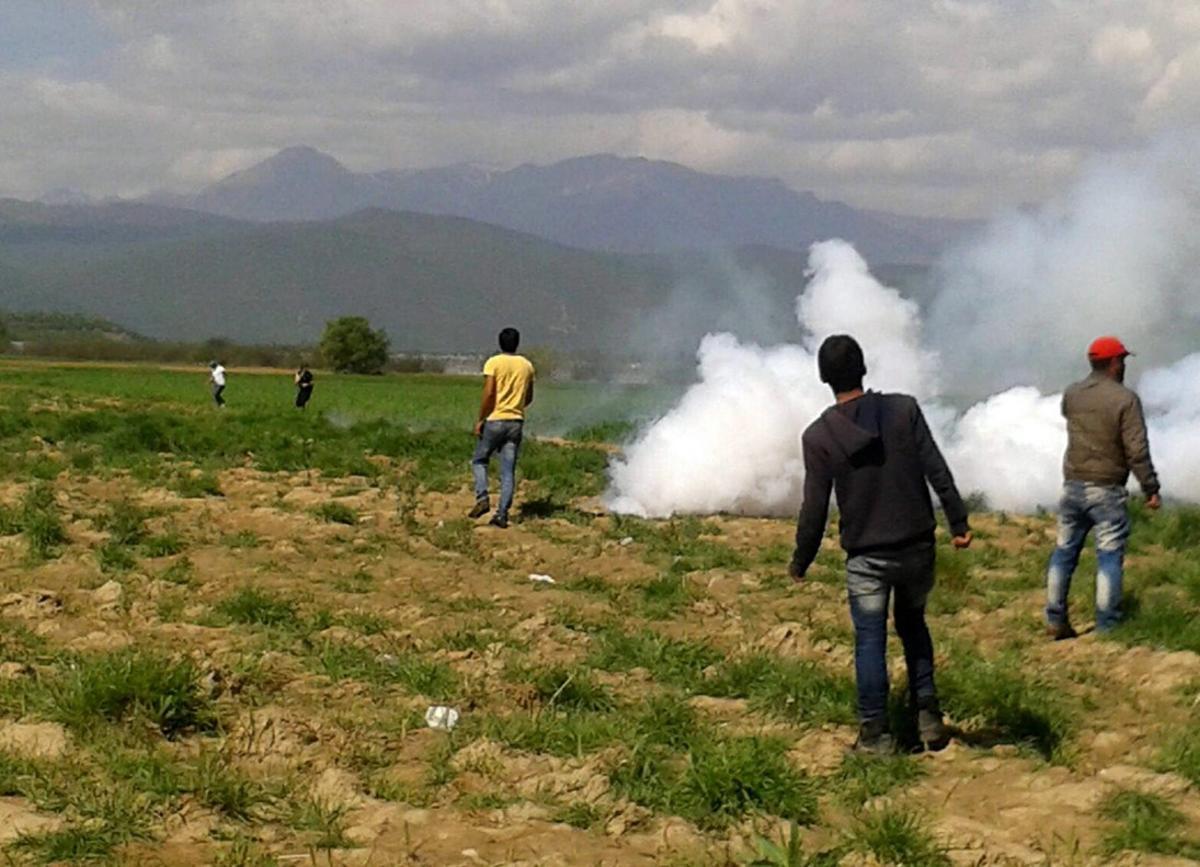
[(870, 580), (1085, 505), (503, 437)]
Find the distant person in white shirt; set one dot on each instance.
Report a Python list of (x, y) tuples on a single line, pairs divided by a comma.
[(217, 378)]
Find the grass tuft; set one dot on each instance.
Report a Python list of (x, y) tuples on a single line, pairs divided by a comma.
[(129, 685), (253, 606), (896, 836), (1145, 823), (336, 513)]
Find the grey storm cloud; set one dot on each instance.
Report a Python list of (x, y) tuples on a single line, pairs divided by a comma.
[(946, 106)]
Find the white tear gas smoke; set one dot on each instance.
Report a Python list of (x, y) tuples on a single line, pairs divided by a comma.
[(733, 442), (1118, 254), (1019, 305)]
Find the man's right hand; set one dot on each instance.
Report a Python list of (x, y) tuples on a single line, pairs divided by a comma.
[(963, 541), (1154, 501)]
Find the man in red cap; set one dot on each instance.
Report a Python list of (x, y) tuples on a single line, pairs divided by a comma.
[(1106, 439)]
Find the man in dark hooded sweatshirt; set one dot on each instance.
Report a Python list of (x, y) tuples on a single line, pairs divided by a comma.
[(876, 451)]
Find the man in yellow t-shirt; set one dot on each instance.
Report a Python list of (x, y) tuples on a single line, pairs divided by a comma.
[(507, 390)]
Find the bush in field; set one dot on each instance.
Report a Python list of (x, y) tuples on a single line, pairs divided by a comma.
[(349, 345)]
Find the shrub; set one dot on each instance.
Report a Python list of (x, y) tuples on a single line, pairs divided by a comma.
[(349, 345)]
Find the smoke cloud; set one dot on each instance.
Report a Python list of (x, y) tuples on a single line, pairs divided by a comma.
[(1015, 310)]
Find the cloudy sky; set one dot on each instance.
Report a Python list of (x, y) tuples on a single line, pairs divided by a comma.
[(951, 107)]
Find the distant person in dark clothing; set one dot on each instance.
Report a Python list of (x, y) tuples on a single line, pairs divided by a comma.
[(216, 377), (876, 451), (304, 386)]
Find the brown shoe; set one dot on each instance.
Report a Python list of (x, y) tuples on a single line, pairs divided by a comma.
[(1060, 631), (481, 507)]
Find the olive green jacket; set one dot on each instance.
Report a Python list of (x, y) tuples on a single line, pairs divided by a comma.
[(1106, 435)]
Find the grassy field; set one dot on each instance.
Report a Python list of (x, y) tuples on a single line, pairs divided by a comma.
[(417, 401), (220, 633)]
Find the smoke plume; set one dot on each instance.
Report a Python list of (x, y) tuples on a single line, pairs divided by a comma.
[(1015, 311)]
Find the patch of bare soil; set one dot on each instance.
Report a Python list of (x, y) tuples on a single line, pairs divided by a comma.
[(322, 700)]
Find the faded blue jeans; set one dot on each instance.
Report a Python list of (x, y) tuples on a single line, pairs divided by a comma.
[(503, 437), (1085, 505), (870, 580)]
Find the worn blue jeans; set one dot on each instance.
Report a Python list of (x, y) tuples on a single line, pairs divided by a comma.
[(870, 580), (503, 437), (1083, 506)]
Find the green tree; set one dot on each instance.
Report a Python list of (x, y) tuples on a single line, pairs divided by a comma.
[(349, 345), (4, 338)]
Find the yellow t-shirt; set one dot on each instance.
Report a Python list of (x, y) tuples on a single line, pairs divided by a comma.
[(513, 375)]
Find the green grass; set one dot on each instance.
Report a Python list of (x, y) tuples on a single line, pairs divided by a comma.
[(797, 690), (339, 661), (165, 434), (1145, 823), (129, 685), (256, 607), (556, 733), (1181, 754), (718, 781), (216, 784), (456, 535), (39, 520), (334, 512), (896, 836), (423, 401), (664, 596), (997, 700), (1174, 529), (674, 662), (165, 544), (571, 688), (326, 823), (861, 778), (579, 815), (125, 523)]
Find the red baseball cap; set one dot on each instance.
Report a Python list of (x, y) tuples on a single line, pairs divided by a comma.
[(1104, 348)]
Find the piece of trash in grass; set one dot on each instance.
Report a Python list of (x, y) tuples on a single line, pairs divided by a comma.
[(440, 717), (542, 579), (628, 540)]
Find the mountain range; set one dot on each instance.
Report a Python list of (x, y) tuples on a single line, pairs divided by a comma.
[(269, 254), (599, 202)]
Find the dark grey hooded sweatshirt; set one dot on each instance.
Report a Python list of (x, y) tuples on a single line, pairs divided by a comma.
[(878, 454)]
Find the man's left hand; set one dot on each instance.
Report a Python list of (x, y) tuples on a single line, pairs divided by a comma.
[(796, 573), (963, 541), (478, 428)]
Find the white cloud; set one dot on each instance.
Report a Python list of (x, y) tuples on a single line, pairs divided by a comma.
[(947, 107)]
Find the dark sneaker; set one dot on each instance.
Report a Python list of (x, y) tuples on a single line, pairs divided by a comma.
[(931, 730), (1060, 631), (481, 507), (499, 521), (874, 739)]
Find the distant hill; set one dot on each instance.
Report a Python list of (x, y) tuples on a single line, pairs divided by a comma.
[(434, 283), (600, 202), (39, 236), (59, 326)]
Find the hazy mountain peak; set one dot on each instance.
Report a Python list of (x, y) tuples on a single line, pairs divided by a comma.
[(300, 163)]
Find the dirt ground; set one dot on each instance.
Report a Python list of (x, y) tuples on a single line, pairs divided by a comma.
[(408, 576)]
